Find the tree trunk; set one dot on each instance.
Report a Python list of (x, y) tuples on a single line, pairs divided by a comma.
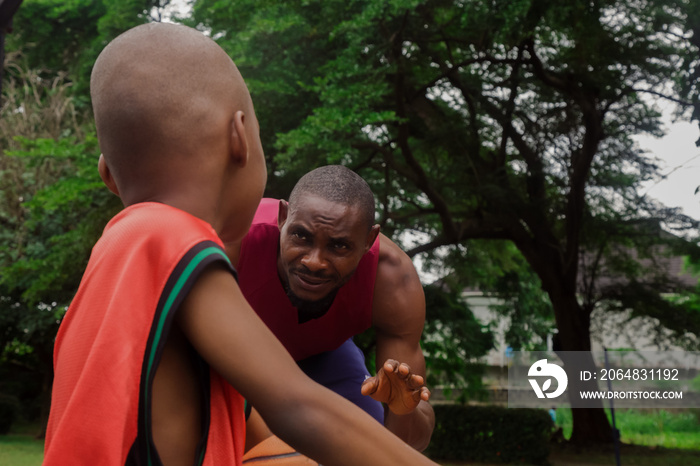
[(590, 425), (46, 366)]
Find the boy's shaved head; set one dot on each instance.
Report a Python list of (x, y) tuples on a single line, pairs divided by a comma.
[(161, 90)]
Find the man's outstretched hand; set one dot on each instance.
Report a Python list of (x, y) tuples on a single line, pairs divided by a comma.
[(396, 386)]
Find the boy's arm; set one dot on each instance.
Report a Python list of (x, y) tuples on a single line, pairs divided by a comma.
[(227, 333)]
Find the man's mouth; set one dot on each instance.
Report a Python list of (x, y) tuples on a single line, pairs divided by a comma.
[(310, 282)]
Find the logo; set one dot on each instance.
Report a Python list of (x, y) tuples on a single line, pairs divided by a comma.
[(543, 369)]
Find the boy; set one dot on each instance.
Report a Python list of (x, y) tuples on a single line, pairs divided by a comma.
[(159, 327)]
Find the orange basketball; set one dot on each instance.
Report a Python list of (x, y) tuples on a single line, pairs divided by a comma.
[(274, 452)]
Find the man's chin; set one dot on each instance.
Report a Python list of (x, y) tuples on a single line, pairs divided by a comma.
[(311, 306), (305, 297)]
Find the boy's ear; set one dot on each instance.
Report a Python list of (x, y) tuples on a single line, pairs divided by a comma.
[(239, 141), (106, 175), (282, 213)]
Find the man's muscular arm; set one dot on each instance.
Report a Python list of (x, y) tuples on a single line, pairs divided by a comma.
[(398, 316)]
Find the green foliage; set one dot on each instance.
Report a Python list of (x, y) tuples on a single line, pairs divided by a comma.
[(62, 208), (634, 265), (281, 78), (62, 219), (66, 36), (695, 384), (487, 105), (493, 120), (453, 341), (49, 185), (35, 106), (491, 434), (498, 120), (21, 379), (500, 272), (9, 408)]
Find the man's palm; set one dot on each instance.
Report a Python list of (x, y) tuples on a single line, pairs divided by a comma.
[(396, 386)]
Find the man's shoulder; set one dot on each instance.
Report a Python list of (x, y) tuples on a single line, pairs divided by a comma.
[(267, 212), (264, 227), (398, 303), (393, 262)]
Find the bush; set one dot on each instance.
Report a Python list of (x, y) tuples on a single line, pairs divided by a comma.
[(9, 408), (491, 434)]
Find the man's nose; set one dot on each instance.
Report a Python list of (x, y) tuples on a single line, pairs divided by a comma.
[(314, 260)]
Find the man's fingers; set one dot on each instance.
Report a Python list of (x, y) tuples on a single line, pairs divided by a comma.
[(425, 394), (404, 369), (395, 367), (369, 386), (417, 380), (396, 371), (391, 365)]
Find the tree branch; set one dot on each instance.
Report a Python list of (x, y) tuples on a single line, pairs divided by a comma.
[(469, 229), (684, 103), (419, 177)]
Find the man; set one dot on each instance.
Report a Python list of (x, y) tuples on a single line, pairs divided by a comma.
[(317, 271)]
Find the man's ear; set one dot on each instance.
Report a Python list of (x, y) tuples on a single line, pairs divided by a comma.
[(106, 175), (282, 213), (371, 237), (239, 140)]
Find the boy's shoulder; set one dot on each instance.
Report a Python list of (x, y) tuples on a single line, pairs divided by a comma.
[(153, 221), (153, 214), (151, 239)]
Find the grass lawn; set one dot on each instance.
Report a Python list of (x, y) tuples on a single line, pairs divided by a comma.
[(21, 450), (25, 450), (630, 455), (653, 427), (651, 438)]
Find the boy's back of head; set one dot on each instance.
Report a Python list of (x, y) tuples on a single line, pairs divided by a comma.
[(176, 125), (162, 93)]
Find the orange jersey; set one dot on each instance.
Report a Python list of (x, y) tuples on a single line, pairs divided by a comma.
[(110, 342)]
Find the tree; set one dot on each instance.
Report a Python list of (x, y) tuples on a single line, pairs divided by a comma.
[(500, 120), (53, 206), (59, 36), (453, 341), (52, 209)]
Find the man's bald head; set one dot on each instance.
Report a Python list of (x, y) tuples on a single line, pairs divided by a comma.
[(162, 90), (338, 184)]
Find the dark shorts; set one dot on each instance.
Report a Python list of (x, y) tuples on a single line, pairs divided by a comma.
[(343, 370)]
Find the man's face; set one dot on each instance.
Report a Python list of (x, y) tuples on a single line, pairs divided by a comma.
[(321, 244)]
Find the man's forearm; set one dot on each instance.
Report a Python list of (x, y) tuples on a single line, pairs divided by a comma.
[(415, 428)]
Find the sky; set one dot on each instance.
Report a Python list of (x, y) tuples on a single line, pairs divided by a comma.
[(680, 161)]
